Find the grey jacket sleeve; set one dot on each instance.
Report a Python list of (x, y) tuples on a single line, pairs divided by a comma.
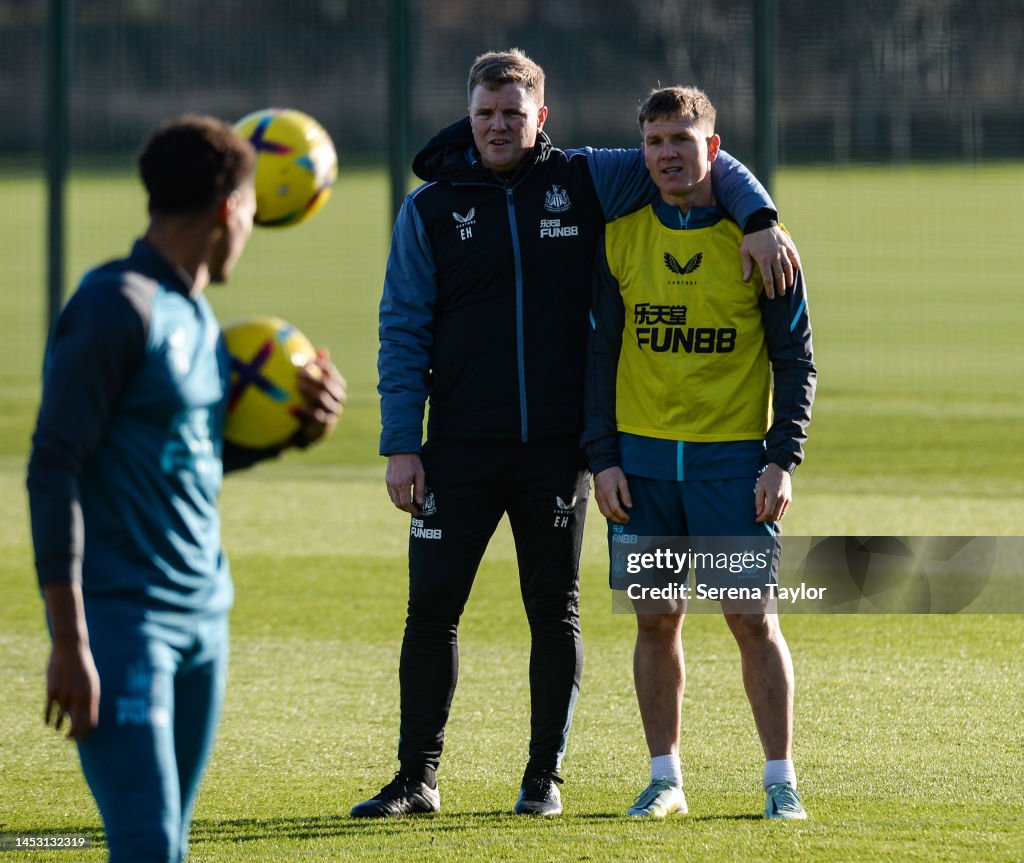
[(624, 186), (406, 333)]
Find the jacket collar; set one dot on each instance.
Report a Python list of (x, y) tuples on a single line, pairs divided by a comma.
[(452, 155)]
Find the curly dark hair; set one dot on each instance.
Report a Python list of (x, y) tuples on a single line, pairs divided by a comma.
[(191, 163)]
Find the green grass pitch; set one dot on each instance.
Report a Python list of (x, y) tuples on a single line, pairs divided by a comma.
[(908, 738)]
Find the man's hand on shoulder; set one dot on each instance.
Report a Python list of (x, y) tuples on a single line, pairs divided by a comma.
[(612, 493), (775, 254)]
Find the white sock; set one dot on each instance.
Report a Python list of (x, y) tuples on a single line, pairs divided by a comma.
[(779, 771), (667, 767)]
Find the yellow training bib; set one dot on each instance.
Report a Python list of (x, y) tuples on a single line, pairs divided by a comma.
[(694, 365)]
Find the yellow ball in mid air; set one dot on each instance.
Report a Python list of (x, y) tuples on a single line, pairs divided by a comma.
[(296, 165)]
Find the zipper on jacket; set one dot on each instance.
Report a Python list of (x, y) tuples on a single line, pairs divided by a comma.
[(520, 349)]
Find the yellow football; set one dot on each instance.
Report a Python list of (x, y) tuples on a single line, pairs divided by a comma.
[(296, 165), (265, 356)]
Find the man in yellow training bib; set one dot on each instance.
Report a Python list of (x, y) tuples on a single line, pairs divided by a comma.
[(698, 398)]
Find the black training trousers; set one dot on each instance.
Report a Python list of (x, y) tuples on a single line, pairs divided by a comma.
[(543, 487)]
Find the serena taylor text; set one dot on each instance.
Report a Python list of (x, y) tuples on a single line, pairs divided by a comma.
[(706, 591)]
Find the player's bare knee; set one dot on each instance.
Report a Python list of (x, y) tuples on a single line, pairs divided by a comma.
[(659, 627), (753, 628)]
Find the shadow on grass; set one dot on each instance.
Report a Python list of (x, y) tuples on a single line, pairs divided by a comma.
[(318, 827), (325, 826), (681, 819)]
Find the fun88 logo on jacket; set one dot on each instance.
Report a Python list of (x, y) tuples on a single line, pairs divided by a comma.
[(554, 228)]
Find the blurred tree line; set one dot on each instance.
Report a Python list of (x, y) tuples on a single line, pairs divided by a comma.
[(857, 80)]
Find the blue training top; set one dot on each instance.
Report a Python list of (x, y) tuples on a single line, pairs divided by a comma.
[(126, 465)]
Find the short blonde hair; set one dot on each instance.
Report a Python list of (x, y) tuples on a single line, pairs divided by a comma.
[(497, 68), (670, 102)]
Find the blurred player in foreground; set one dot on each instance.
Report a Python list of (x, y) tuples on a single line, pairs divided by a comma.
[(124, 480), (679, 378)]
